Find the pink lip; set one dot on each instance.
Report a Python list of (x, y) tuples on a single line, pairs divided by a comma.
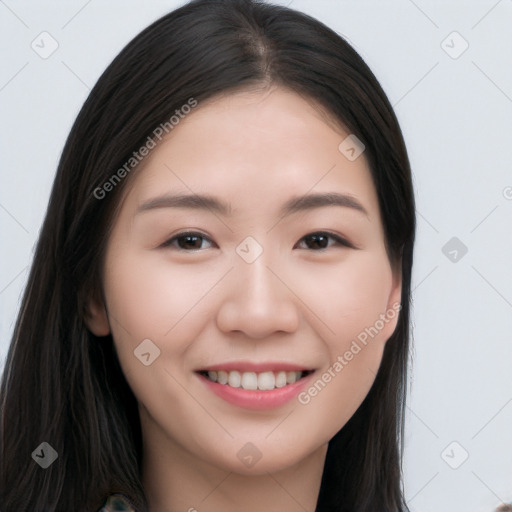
[(254, 399), (248, 366)]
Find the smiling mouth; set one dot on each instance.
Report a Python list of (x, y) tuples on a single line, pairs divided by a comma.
[(255, 381)]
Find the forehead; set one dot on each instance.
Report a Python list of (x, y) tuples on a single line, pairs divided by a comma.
[(252, 148)]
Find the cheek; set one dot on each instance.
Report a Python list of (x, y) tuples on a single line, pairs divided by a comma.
[(348, 298), (150, 298), (351, 302), (354, 320)]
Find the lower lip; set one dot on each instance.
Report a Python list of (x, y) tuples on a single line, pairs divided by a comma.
[(254, 399)]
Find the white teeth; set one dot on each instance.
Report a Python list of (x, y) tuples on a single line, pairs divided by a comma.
[(234, 379), (264, 381), (222, 377), (249, 380), (281, 380), (290, 377)]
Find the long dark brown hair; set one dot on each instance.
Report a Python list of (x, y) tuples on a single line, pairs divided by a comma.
[(64, 386)]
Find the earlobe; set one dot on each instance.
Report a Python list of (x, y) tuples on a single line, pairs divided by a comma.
[(96, 318)]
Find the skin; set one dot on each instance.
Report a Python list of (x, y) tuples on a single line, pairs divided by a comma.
[(296, 302)]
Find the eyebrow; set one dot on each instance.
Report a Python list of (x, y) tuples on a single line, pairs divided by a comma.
[(215, 205)]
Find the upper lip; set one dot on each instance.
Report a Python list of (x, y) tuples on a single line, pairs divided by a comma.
[(249, 366)]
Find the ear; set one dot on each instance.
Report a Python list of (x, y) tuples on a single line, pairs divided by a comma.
[(395, 295), (394, 300), (96, 317)]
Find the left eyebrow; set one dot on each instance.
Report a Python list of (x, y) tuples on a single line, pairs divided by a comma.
[(293, 205), (311, 201)]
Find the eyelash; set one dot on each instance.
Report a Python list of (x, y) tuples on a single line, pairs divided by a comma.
[(341, 241)]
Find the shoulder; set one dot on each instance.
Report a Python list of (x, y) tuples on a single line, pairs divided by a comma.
[(117, 502)]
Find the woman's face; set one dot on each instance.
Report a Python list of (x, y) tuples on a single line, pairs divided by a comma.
[(261, 280)]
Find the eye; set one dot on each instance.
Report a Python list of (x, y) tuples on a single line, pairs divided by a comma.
[(320, 240), (187, 241), (193, 241)]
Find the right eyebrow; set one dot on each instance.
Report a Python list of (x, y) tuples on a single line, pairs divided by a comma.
[(195, 201)]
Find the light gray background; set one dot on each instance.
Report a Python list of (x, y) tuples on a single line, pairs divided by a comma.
[(456, 117)]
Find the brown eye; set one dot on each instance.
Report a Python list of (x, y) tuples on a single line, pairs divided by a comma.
[(320, 241), (187, 242)]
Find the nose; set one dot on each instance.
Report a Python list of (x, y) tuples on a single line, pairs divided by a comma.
[(258, 301)]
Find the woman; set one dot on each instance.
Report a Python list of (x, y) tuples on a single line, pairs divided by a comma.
[(217, 315)]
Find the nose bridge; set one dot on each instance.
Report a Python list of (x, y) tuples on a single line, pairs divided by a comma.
[(257, 284), (257, 302), (253, 257)]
